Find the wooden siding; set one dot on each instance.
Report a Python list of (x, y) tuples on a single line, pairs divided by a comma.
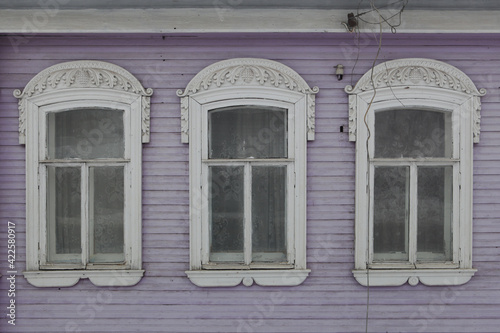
[(330, 300)]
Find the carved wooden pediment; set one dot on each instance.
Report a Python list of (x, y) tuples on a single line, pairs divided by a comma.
[(416, 72), (83, 74), (419, 73), (247, 72)]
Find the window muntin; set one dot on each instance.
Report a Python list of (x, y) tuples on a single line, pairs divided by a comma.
[(85, 195), (413, 187), (393, 202), (247, 205)]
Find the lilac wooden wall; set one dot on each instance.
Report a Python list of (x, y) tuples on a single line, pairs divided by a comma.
[(330, 300)]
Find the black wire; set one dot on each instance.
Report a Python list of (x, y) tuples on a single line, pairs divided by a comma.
[(393, 30), (372, 10), (358, 51), (383, 19), (367, 318)]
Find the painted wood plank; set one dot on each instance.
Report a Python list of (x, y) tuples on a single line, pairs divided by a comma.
[(329, 300)]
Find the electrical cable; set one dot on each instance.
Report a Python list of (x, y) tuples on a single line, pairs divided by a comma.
[(389, 4), (368, 173), (383, 19), (358, 51)]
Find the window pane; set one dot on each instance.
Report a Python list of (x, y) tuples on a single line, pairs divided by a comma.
[(391, 206), (435, 192), (248, 132), (226, 206), (85, 134), (106, 212), (268, 213), (64, 212), (412, 133)]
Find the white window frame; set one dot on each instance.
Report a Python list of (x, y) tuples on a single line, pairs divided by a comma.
[(72, 86), (248, 82), (418, 84)]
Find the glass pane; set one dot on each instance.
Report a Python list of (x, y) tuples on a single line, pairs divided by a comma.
[(248, 132), (391, 206), (226, 206), (106, 211), (85, 134), (64, 211), (268, 213), (435, 202), (412, 133)]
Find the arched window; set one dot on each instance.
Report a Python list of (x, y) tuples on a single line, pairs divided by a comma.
[(247, 122), (414, 122), (83, 123)]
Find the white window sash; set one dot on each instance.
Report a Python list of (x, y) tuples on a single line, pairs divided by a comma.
[(39, 99), (247, 164), (86, 211), (411, 234), (199, 163), (96, 259), (464, 106), (111, 260), (288, 162), (47, 233)]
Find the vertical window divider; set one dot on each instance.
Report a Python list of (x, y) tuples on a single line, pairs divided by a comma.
[(370, 218), (90, 212), (247, 232), (456, 212), (412, 242), (408, 208), (85, 185), (290, 231), (206, 233), (44, 228), (448, 220)]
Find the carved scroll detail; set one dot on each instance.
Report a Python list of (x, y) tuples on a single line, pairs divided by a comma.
[(83, 74)]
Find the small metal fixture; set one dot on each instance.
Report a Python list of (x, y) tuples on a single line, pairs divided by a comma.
[(339, 72), (352, 22)]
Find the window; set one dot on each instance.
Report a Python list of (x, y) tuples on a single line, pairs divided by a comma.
[(83, 123), (82, 174), (247, 122), (414, 122), (245, 161)]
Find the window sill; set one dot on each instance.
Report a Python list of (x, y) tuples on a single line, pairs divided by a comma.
[(221, 278), (100, 278), (428, 277)]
